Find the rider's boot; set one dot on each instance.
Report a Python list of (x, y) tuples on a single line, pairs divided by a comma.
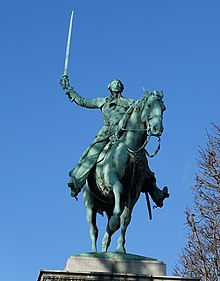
[(75, 186), (158, 195)]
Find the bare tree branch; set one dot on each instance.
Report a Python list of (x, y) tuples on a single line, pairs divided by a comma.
[(200, 256)]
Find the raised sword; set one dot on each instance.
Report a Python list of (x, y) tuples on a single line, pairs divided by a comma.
[(68, 44)]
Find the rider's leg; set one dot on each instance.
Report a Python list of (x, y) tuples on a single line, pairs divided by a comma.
[(156, 194), (150, 186), (80, 173)]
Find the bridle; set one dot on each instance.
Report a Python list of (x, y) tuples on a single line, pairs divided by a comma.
[(149, 134)]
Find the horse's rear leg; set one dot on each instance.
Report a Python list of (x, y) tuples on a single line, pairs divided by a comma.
[(125, 220), (91, 216)]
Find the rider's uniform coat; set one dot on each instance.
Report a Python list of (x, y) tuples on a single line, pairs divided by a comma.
[(113, 111)]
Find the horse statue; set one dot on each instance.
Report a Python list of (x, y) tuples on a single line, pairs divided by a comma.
[(120, 174)]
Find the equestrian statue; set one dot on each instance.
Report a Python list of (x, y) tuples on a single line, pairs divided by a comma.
[(114, 171)]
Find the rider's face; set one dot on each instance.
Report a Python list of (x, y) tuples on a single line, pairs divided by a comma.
[(116, 86)]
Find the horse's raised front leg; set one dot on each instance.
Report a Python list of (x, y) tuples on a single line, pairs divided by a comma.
[(91, 216), (125, 220)]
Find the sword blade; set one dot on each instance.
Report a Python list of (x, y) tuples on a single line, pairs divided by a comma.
[(68, 44)]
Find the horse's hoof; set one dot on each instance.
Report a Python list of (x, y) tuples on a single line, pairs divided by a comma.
[(120, 250)]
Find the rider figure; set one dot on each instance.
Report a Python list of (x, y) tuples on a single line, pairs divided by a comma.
[(113, 110)]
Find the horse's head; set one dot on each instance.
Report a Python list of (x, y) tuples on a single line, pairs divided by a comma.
[(152, 112)]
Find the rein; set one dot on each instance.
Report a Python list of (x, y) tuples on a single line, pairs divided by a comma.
[(144, 144), (156, 150)]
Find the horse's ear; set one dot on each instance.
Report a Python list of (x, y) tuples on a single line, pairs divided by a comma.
[(146, 93), (143, 100), (161, 94)]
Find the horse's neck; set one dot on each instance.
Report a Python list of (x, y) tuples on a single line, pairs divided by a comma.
[(135, 133)]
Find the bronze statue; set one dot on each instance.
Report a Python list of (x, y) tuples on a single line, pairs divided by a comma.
[(114, 170), (115, 165)]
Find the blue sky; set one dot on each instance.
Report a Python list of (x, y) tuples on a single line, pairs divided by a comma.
[(170, 45)]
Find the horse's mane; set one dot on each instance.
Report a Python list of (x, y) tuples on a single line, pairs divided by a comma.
[(139, 104)]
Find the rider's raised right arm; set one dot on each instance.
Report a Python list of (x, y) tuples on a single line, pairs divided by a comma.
[(73, 96), (89, 103)]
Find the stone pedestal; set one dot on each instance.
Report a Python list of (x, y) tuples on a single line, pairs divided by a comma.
[(111, 267)]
